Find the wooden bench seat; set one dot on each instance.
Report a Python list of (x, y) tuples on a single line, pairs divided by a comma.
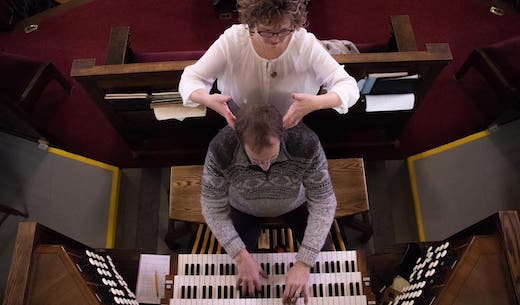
[(347, 176)]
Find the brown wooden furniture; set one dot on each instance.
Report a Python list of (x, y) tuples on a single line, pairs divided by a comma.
[(347, 176), (43, 272), (350, 135), (488, 266)]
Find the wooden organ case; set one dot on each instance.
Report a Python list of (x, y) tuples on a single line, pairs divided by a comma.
[(478, 265)]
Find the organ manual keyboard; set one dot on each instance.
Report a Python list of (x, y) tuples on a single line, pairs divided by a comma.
[(337, 277)]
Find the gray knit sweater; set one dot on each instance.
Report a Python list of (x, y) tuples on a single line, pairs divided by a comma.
[(299, 174)]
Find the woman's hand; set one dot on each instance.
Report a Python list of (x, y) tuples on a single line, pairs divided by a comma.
[(302, 105), (250, 273), (217, 102), (296, 283)]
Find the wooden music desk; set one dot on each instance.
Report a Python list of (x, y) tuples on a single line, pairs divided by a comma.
[(348, 180)]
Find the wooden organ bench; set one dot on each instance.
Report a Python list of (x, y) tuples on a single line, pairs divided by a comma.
[(186, 141), (348, 180)]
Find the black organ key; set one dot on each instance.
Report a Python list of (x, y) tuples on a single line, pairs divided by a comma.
[(330, 290), (352, 266), (358, 289), (338, 269), (278, 291), (210, 292), (212, 269), (183, 292), (195, 292), (206, 269), (225, 292), (204, 292), (342, 289), (332, 267), (192, 269), (186, 269), (233, 269), (351, 286), (282, 268), (276, 271), (268, 269), (228, 270), (268, 291), (231, 292), (219, 292), (188, 292), (321, 291), (336, 289), (221, 269), (347, 267), (327, 267), (198, 269)]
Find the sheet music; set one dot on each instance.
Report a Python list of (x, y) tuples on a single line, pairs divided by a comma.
[(389, 102), (150, 278), (177, 111)]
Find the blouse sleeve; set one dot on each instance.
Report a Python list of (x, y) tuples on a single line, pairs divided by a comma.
[(204, 72), (333, 76)]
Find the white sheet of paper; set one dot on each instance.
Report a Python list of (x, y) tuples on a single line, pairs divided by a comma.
[(149, 264), (389, 102), (178, 112)]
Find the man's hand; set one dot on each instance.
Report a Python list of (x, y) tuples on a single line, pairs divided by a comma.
[(296, 283), (302, 105), (250, 273)]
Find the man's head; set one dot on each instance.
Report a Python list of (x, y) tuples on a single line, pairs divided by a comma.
[(259, 128)]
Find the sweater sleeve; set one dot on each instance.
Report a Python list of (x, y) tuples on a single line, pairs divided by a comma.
[(321, 203), (215, 206)]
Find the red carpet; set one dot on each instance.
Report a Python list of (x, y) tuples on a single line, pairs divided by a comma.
[(450, 111)]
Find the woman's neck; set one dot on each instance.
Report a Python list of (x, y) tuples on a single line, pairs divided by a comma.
[(270, 52)]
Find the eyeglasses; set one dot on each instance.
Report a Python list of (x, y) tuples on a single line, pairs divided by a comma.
[(269, 34)]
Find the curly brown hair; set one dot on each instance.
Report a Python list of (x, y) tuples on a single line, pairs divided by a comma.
[(269, 12), (256, 123)]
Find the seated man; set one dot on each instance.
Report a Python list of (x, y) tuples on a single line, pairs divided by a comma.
[(260, 170)]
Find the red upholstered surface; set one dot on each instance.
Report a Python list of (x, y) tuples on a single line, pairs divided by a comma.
[(166, 56), (194, 55), (506, 56), (17, 72)]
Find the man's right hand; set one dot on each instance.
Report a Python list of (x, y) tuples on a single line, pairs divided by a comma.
[(250, 274)]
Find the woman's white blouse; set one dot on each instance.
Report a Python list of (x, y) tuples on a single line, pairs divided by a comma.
[(242, 74)]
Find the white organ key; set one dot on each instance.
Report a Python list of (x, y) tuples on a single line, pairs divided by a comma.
[(335, 261), (349, 300), (327, 285)]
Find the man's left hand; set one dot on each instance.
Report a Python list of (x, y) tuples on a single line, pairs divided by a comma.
[(296, 284)]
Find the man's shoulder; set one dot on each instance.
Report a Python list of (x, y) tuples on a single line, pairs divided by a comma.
[(301, 141), (223, 145)]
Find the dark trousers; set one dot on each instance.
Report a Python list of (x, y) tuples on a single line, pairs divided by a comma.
[(249, 227)]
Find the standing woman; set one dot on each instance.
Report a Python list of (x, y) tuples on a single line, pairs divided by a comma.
[(271, 58)]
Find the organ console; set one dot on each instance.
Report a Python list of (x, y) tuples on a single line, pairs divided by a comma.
[(336, 278), (479, 265)]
